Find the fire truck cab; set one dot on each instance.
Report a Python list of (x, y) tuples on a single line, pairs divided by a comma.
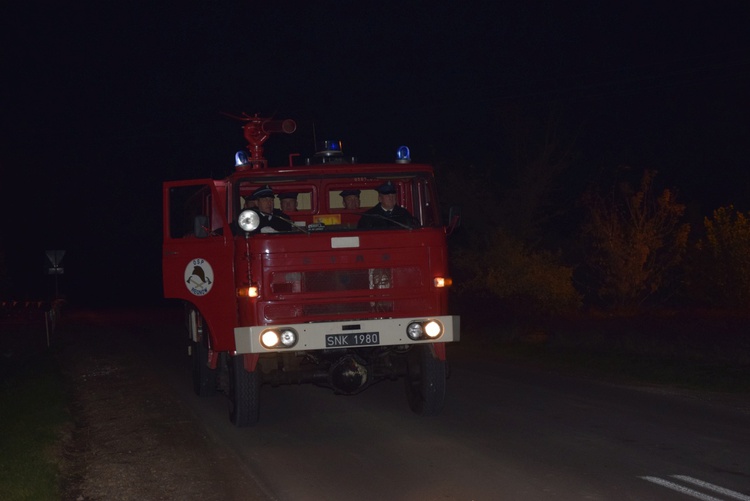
[(338, 297)]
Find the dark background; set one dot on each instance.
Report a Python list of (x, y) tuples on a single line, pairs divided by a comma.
[(105, 100)]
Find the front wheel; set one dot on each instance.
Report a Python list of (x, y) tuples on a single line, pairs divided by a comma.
[(425, 380), (244, 393)]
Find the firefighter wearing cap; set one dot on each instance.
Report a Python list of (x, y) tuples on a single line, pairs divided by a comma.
[(271, 219), (288, 201), (249, 202), (351, 199), (387, 213)]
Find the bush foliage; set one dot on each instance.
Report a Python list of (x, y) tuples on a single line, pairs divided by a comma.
[(625, 247), (635, 242), (721, 265), (534, 281)]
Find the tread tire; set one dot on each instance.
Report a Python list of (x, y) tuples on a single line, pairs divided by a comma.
[(244, 394), (425, 381)]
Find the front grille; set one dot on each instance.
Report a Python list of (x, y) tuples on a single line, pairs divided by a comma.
[(295, 312), (347, 293), (284, 282)]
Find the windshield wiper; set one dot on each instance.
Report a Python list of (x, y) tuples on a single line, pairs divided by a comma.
[(294, 226), (380, 216)]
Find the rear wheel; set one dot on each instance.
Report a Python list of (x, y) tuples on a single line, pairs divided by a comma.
[(204, 378), (425, 380), (244, 393)]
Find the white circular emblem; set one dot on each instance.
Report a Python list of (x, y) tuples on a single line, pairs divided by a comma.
[(199, 277)]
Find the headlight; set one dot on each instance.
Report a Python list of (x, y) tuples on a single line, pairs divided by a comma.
[(269, 339), (284, 338), (288, 338), (433, 329), (414, 330), (249, 220), (424, 329)]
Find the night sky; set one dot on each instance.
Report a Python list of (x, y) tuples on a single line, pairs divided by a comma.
[(105, 100)]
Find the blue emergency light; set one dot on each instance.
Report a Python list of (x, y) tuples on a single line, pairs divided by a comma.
[(403, 155), (332, 145), (240, 159)]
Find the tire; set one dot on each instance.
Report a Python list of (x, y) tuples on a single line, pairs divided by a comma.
[(204, 378), (425, 381), (244, 393)]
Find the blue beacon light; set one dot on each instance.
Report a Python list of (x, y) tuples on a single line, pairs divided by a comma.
[(332, 145), (403, 155), (240, 159)]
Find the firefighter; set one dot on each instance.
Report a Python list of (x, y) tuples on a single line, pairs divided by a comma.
[(271, 219), (387, 213), (249, 202), (288, 201), (351, 199)]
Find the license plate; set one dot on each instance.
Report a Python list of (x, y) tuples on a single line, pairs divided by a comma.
[(353, 339)]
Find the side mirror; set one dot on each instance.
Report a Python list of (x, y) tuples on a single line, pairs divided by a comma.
[(454, 220), (200, 226)]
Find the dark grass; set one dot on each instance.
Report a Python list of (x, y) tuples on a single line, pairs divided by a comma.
[(629, 368), (703, 350), (33, 420)]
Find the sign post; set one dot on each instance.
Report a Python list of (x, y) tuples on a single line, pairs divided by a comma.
[(55, 257)]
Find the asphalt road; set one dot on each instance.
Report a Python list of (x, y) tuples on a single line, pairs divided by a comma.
[(506, 433)]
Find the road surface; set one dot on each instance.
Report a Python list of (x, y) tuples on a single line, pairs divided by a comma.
[(506, 433)]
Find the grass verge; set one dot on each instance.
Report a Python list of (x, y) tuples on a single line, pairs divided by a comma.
[(702, 351), (630, 368), (33, 417)]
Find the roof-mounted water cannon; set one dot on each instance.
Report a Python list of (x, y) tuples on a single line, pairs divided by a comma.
[(257, 130)]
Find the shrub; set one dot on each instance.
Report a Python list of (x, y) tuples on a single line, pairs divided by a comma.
[(532, 280), (721, 270), (635, 242)]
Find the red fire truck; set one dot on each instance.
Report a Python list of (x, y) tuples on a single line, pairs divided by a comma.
[(327, 299)]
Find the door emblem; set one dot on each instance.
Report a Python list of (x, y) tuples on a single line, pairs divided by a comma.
[(199, 277)]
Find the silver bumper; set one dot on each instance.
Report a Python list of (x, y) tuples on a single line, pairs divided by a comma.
[(312, 336)]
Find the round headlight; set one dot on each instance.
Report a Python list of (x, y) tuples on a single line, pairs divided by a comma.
[(249, 220), (288, 337), (433, 329), (269, 339), (414, 330)]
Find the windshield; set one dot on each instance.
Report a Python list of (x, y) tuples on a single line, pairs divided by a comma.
[(398, 201)]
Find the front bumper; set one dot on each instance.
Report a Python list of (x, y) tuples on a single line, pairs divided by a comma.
[(312, 336)]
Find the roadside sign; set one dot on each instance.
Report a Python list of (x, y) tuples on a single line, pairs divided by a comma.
[(55, 256)]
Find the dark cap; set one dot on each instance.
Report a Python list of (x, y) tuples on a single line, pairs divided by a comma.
[(262, 192), (288, 194), (346, 193), (386, 188)]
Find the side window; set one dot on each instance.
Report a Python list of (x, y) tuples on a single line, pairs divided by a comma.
[(190, 211), (425, 203), (303, 196), (367, 198), (303, 201)]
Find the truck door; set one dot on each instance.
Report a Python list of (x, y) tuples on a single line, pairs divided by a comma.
[(198, 254)]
